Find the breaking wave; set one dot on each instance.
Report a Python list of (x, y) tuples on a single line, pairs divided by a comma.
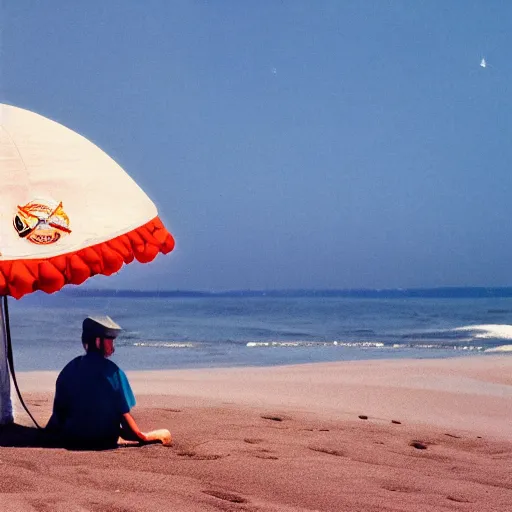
[(501, 348), (467, 338), (488, 331)]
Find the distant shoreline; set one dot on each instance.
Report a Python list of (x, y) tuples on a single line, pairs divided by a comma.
[(391, 293)]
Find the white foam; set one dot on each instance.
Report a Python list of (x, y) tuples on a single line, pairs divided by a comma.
[(164, 344), (486, 331), (360, 344), (357, 344), (287, 343)]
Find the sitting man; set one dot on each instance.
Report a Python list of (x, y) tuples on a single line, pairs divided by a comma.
[(93, 397)]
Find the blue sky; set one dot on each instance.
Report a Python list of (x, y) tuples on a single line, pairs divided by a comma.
[(289, 144)]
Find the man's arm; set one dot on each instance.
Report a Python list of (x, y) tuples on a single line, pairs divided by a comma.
[(130, 431)]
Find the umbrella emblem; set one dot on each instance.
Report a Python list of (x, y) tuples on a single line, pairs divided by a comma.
[(41, 221)]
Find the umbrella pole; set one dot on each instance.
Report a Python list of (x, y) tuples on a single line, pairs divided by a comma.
[(6, 414)]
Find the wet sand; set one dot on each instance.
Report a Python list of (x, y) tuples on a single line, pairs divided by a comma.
[(422, 435)]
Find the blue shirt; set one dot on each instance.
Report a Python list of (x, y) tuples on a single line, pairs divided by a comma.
[(92, 394)]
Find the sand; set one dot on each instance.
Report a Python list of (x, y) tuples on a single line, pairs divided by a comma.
[(406, 435)]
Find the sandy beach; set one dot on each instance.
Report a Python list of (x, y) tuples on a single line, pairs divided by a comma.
[(402, 435)]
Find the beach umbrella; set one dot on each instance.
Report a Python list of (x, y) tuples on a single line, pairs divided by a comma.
[(67, 212)]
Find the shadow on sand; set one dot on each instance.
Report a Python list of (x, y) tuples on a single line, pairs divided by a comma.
[(20, 436)]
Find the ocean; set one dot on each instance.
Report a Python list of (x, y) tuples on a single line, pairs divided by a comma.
[(166, 332)]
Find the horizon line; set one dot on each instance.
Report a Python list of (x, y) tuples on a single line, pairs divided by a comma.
[(439, 292)]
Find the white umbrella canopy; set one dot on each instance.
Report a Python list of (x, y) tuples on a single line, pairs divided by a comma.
[(67, 212)]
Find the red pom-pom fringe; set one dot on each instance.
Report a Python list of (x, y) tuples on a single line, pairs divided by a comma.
[(19, 277)]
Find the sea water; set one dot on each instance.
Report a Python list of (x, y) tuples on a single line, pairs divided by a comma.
[(194, 332)]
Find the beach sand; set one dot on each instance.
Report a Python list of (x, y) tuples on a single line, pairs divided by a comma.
[(401, 435)]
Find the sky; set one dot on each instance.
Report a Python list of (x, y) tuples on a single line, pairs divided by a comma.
[(289, 143)]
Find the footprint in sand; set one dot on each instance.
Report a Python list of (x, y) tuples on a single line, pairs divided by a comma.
[(397, 487), (253, 440), (31, 466), (458, 499), (226, 496), (198, 456), (272, 417), (39, 401), (266, 456), (328, 451)]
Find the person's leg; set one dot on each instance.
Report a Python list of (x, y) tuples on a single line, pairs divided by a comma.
[(127, 434)]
